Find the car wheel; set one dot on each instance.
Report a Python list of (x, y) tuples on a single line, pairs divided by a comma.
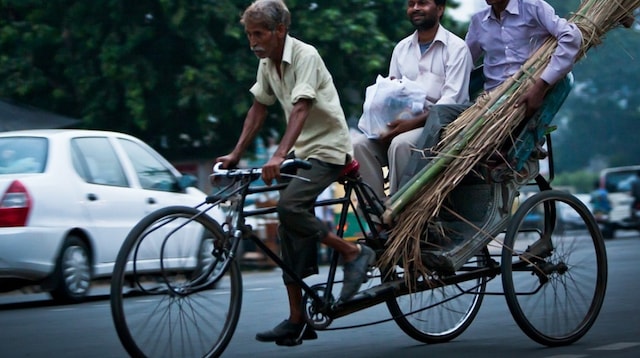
[(72, 276)]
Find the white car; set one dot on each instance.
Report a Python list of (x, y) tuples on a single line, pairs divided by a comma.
[(68, 198), (617, 181)]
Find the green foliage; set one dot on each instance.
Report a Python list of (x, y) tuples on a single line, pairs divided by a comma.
[(601, 116), (177, 72), (580, 181), (603, 112), (355, 39)]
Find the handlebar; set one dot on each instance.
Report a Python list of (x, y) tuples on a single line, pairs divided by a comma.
[(237, 172)]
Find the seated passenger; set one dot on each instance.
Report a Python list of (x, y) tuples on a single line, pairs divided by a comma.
[(434, 57)]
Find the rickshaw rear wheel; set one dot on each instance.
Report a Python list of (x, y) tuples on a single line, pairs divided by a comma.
[(554, 278), (441, 314)]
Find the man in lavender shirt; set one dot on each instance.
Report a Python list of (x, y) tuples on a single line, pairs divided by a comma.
[(507, 33)]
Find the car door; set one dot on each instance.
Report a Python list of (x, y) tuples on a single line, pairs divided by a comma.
[(160, 182), (158, 179), (113, 204)]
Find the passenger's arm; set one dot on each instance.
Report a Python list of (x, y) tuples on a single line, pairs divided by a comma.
[(569, 40), (399, 126), (455, 89)]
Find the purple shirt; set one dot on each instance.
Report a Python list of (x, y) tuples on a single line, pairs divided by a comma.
[(509, 42)]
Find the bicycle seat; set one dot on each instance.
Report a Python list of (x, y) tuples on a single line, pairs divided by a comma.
[(351, 169)]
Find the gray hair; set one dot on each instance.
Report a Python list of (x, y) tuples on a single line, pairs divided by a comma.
[(269, 13)]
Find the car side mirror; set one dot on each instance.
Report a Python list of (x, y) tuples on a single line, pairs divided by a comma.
[(187, 180)]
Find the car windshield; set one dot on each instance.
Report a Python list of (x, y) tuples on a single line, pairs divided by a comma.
[(619, 181), (19, 155)]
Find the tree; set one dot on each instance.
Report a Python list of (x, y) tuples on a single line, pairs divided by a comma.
[(601, 116), (176, 73), (148, 68), (603, 111)]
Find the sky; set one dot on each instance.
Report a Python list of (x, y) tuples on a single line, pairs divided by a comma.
[(467, 8)]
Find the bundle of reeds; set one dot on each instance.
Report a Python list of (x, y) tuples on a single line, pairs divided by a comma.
[(479, 132)]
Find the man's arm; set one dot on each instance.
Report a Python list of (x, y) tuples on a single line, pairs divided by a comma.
[(455, 89), (299, 114), (473, 42), (394, 68), (399, 126), (534, 97), (252, 124), (569, 40)]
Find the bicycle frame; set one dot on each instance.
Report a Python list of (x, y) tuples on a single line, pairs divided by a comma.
[(353, 185), (373, 206)]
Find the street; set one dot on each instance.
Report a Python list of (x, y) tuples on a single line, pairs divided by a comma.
[(32, 326)]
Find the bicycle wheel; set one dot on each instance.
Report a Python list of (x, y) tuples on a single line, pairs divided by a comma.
[(441, 314), (170, 297), (554, 279)]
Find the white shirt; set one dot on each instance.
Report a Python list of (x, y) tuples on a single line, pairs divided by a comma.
[(443, 69)]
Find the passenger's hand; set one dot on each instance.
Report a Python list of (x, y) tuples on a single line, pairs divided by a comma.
[(271, 170), (534, 97), (228, 161), (628, 21), (399, 126)]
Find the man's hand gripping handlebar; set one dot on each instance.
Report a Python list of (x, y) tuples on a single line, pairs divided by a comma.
[(219, 172)]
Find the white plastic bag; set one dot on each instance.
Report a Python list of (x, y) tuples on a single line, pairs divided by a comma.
[(387, 100)]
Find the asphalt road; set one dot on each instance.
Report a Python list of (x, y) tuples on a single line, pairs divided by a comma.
[(31, 326)]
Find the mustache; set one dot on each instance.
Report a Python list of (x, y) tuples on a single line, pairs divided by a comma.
[(257, 48)]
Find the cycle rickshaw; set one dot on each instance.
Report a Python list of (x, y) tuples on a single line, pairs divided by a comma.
[(177, 286)]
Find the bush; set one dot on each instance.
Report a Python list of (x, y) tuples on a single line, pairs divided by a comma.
[(582, 181)]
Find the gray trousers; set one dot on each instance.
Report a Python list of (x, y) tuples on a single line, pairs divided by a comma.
[(373, 155), (300, 230), (439, 117)]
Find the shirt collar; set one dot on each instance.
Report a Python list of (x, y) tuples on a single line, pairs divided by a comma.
[(512, 8), (287, 52), (440, 36)]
